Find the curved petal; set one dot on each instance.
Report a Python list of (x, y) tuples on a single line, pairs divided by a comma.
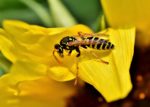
[(60, 73), (6, 47), (51, 90), (129, 12), (38, 93), (112, 80), (8, 99), (23, 70), (27, 84), (24, 33)]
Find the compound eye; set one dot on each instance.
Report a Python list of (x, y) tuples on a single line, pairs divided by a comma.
[(57, 46)]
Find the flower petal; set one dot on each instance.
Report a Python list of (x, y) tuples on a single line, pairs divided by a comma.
[(27, 85), (60, 73), (129, 12), (51, 90), (37, 93), (23, 70), (8, 99), (6, 46), (112, 80)]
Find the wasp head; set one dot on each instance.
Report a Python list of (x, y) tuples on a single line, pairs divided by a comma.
[(59, 49)]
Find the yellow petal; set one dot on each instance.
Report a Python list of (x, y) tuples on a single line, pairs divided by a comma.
[(60, 73), (129, 12), (45, 89), (133, 12), (9, 99), (25, 33), (112, 80), (27, 85), (23, 70), (37, 93), (6, 46)]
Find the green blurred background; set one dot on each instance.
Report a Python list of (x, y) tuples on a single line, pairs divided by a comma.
[(86, 12)]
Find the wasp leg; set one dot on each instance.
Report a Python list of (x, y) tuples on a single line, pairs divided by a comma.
[(98, 59), (78, 50), (77, 66), (77, 72), (69, 53), (103, 61), (56, 57), (81, 34)]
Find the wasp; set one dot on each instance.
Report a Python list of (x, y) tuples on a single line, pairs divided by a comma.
[(85, 41), (71, 43)]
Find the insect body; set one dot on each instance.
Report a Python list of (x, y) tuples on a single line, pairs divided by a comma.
[(71, 43), (93, 42), (64, 45)]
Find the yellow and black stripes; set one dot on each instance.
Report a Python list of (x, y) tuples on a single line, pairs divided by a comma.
[(98, 43)]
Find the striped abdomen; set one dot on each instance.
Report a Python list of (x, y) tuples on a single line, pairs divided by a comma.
[(98, 43)]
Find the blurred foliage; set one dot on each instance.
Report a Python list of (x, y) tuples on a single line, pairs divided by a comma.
[(40, 10), (15, 9), (86, 12)]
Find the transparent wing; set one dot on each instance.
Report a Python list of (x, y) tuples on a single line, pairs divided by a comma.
[(93, 54)]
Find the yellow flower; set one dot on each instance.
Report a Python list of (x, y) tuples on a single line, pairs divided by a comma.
[(130, 12), (34, 44), (18, 89)]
